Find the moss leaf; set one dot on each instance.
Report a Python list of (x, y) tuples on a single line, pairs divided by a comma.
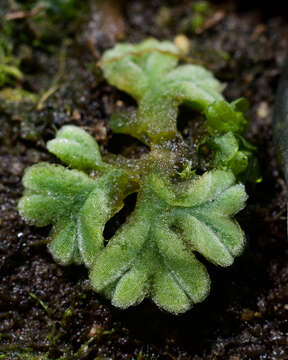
[(152, 254), (76, 148), (148, 72), (76, 205)]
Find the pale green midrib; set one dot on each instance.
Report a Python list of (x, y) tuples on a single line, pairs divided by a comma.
[(75, 200), (87, 188), (31, 190), (201, 218), (162, 259), (177, 205), (98, 163), (129, 264), (198, 207), (143, 208), (132, 263), (211, 94), (174, 276), (137, 96), (58, 196)]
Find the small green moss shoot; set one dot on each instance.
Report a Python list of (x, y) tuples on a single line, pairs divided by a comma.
[(9, 65), (178, 212)]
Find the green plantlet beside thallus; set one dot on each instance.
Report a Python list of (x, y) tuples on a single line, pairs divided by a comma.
[(178, 213)]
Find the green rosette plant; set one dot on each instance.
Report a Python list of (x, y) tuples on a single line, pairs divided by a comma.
[(180, 210)]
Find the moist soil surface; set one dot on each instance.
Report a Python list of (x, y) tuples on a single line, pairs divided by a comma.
[(48, 311)]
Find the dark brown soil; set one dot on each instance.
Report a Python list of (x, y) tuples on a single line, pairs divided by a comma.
[(48, 311)]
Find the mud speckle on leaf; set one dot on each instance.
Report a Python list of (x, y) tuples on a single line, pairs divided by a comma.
[(49, 309)]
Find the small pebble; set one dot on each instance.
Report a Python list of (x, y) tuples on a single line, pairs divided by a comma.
[(263, 110), (182, 42)]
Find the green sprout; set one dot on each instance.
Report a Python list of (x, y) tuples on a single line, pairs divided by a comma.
[(178, 212), (9, 66), (149, 73)]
